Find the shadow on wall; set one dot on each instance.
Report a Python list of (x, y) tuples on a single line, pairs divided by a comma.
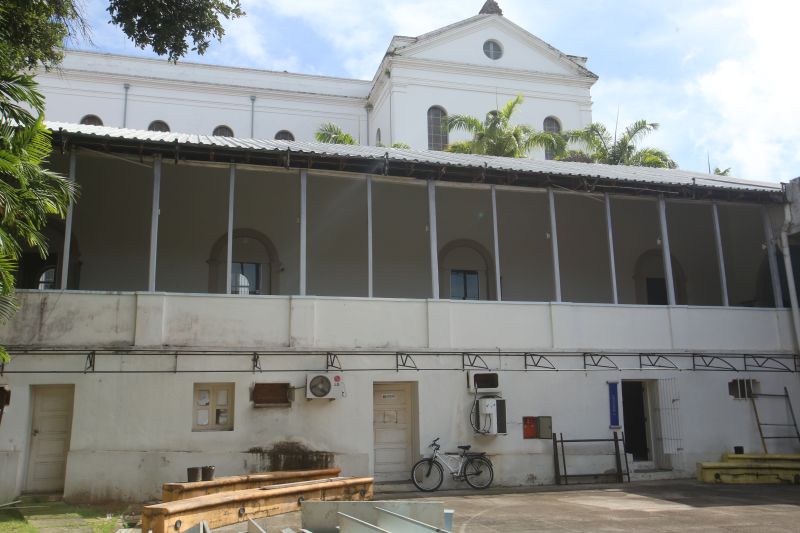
[(290, 455)]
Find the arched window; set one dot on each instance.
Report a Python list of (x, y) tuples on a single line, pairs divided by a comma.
[(493, 49), (466, 271), (222, 131), (284, 135), (255, 268), (437, 128), (378, 137), (651, 285), (158, 125), (551, 125), (91, 120), (47, 279)]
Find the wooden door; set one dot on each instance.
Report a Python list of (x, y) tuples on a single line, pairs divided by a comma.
[(392, 421), (50, 432)]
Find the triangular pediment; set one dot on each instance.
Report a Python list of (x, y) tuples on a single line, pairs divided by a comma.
[(464, 42)]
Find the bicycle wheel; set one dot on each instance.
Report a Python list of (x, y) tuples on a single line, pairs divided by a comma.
[(427, 475), (478, 472)]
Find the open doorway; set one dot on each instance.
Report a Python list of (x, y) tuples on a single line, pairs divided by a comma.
[(636, 420)]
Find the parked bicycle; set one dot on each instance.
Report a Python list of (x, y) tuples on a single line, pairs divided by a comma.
[(473, 467)]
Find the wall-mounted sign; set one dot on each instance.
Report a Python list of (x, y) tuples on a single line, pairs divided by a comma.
[(613, 403)]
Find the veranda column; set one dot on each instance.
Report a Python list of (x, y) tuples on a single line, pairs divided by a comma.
[(723, 277), (777, 290), (229, 255), (156, 208), (496, 246), (303, 224), (369, 236), (68, 225), (662, 217), (433, 239), (554, 242), (611, 257)]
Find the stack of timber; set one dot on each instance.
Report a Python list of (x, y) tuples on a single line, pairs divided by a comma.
[(752, 469), (228, 504)]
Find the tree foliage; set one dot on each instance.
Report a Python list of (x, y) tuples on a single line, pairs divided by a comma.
[(330, 133), (601, 147), (495, 135), (166, 25), (719, 172)]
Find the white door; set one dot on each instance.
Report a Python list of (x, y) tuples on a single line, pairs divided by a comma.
[(392, 421), (669, 434), (50, 432)]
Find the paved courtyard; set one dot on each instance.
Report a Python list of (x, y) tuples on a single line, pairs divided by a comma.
[(674, 506)]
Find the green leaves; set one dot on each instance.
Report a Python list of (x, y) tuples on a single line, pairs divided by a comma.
[(496, 135), (330, 133), (601, 147), (169, 27)]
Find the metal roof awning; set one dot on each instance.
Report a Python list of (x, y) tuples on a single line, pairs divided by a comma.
[(419, 164)]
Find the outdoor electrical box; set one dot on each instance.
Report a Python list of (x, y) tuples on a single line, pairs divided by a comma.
[(491, 416), (483, 382), (272, 394), (537, 427)]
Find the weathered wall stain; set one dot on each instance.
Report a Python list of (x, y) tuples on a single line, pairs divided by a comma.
[(290, 455)]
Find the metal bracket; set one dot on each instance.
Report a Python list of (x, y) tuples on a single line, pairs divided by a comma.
[(594, 360), (89, 365), (404, 361), (713, 362), (647, 360), (764, 364), (332, 361), (473, 360), (541, 362), (256, 362)]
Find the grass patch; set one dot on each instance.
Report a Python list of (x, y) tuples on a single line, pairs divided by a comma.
[(101, 519), (11, 521)]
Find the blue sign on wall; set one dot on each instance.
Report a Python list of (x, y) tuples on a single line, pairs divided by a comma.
[(613, 403)]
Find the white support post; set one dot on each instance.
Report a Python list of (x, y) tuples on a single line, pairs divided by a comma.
[(229, 255), (156, 210), (662, 217), (433, 239), (303, 226), (495, 232), (369, 236), (554, 242), (723, 277), (612, 262), (68, 225), (777, 290)]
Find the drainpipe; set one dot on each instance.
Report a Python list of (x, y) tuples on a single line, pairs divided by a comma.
[(252, 115), (127, 87), (787, 263), (368, 107)]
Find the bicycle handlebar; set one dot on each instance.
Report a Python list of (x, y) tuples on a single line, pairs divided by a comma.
[(435, 443)]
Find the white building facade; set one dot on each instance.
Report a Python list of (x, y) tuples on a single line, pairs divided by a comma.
[(201, 284)]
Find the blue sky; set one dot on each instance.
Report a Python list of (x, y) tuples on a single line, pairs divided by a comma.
[(720, 76)]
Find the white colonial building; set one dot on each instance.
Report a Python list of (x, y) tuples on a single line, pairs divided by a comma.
[(206, 290)]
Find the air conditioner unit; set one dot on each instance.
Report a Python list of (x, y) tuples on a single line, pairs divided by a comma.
[(491, 416), (324, 386), (482, 381)]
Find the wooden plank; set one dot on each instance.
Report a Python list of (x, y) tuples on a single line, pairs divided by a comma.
[(180, 491), (227, 508)]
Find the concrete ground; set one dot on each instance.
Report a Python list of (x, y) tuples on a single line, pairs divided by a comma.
[(668, 506)]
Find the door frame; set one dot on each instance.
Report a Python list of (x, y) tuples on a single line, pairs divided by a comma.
[(28, 463), (416, 455), (649, 415)]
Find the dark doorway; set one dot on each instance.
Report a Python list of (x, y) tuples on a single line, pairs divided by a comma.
[(656, 291), (635, 415)]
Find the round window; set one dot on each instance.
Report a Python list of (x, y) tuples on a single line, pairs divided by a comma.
[(492, 49)]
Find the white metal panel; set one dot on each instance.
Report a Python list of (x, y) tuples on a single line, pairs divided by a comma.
[(669, 414)]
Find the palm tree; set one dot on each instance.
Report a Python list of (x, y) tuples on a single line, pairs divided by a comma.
[(602, 147), (330, 133), (29, 194), (496, 135)]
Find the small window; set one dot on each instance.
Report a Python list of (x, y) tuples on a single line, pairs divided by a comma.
[(378, 137), (158, 125), (213, 407), (551, 125), (223, 131), (47, 279), (284, 135), (245, 278), (742, 389), (437, 128), (464, 285), (492, 49), (91, 120)]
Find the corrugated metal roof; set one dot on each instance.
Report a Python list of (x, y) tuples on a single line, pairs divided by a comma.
[(658, 176)]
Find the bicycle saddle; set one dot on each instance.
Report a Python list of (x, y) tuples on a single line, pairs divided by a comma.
[(465, 448)]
